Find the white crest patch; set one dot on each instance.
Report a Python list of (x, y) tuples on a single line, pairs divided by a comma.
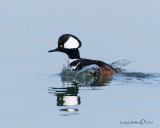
[(71, 43)]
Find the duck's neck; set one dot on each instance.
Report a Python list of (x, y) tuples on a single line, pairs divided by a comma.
[(73, 54)]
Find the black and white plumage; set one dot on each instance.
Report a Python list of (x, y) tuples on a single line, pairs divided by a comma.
[(69, 44)]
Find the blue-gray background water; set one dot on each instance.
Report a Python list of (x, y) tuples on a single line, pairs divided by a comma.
[(124, 32)]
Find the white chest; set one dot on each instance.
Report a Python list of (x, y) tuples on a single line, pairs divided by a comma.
[(72, 60)]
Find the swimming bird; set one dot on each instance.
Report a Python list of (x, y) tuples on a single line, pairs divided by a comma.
[(69, 45)]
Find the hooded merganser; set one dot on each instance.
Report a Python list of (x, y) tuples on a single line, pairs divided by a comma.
[(69, 44)]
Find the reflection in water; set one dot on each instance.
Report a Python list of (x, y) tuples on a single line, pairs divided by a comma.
[(67, 95)]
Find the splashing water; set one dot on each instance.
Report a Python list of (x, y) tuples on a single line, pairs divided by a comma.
[(84, 77), (121, 63)]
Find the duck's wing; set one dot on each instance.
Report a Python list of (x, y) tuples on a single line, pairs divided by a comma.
[(103, 67)]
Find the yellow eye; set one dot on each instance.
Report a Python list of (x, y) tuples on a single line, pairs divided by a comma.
[(61, 46)]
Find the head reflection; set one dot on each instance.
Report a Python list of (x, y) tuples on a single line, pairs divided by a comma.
[(68, 97)]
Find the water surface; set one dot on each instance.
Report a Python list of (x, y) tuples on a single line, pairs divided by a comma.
[(33, 87)]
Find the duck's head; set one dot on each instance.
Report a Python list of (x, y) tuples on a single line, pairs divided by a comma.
[(68, 44)]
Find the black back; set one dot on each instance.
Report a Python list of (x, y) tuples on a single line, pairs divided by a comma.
[(81, 63)]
